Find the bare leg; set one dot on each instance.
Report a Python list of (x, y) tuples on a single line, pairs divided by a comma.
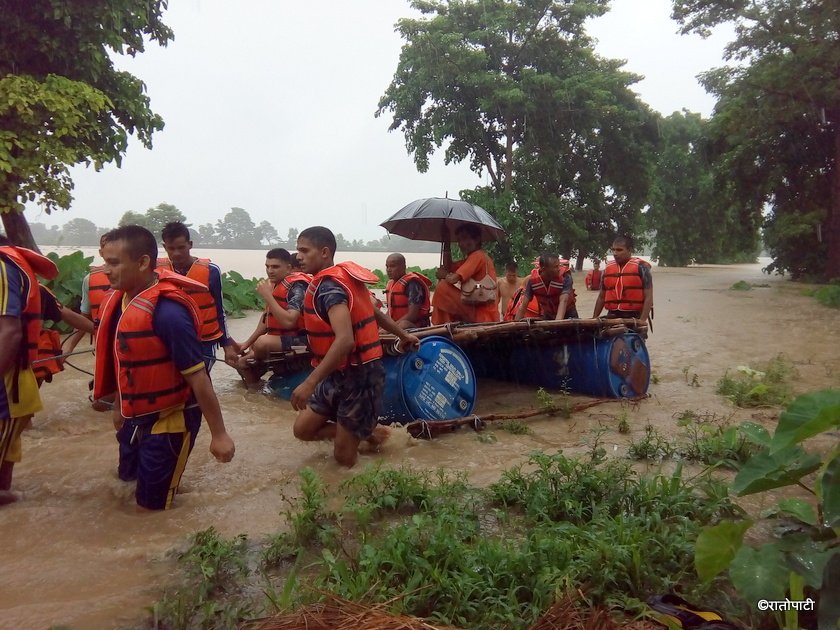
[(6, 494)]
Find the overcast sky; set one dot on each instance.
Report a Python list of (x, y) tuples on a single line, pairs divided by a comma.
[(269, 107)]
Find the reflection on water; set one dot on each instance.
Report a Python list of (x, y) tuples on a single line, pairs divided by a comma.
[(83, 558)]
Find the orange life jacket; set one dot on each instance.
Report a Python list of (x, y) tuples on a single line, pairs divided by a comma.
[(130, 358), (366, 346), (30, 263), (281, 294), (200, 272), (532, 310), (623, 289), (98, 289), (593, 279), (49, 345), (396, 297), (548, 297)]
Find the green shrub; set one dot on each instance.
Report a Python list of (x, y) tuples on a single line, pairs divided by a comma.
[(828, 295), (750, 387), (741, 285), (239, 294)]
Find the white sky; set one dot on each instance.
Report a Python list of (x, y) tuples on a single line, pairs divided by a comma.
[(269, 107)]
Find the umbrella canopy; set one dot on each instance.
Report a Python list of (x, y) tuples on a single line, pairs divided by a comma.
[(436, 219)]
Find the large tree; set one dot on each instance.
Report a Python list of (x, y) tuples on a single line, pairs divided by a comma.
[(62, 101), (776, 127), (515, 88)]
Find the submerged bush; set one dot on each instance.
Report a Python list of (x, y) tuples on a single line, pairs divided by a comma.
[(750, 387)]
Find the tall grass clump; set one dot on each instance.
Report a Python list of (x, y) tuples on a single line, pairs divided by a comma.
[(767, 387)]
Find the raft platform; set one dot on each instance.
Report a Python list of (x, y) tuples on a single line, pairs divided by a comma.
[(597, 357)]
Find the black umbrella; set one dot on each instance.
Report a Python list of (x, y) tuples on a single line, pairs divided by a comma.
[(436, 219)]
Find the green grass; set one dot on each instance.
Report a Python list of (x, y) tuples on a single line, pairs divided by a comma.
[(828, 295), (434, 546), (713, 440)]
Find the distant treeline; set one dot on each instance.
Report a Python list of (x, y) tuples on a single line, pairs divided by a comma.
[(235, 231)]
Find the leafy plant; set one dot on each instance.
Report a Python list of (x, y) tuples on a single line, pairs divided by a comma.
[(713, 440), (67, 285), (828, 295), (516, 427), (741, 285), (239, 294), (653, 446), (750, 387), (623, 422), (808, 557)]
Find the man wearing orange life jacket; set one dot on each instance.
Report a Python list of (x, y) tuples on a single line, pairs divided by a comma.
[(406, 294), (340, 400), (95, 288), (149, 353), (552, 286), (177, 243), (281, 326), (627, 285), (20, 327), (593, 278)]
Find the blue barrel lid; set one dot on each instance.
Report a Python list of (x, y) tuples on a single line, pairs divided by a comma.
[(437, 381)]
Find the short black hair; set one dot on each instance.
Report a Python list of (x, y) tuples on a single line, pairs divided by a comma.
[(547, 257), (138, 240), (279, 253), (470, 229), (511, 266), (625, 240), (319, 236), (173, 230)]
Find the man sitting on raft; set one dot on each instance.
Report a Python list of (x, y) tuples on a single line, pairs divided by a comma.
[(552, 286), (407, 294), (281, 326)]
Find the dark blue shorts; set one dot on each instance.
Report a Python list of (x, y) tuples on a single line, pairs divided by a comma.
[(352, 397), (156, 460)]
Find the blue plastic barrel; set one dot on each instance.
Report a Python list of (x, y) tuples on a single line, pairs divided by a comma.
[(434, 383), (613, 367), (283, 386)]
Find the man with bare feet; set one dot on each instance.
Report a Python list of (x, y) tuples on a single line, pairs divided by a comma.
[(20, 328), (341, 398), (280, 327)]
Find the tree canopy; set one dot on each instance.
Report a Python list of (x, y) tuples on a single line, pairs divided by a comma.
[(775, 133), (515, 88), (62, 101)]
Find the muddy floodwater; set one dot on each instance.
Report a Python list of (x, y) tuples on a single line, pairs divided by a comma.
[(77, 555)]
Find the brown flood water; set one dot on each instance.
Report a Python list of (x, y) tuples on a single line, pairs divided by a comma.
[(82, 558)]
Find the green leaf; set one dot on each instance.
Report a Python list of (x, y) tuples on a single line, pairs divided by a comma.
[(829, 492), (755, 433), (808, 558), (765, 471), (808, 415), (828, 614), (797, 508), (716, 547), (759, 574)]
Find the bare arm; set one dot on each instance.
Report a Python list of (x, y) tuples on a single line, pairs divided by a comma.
[(599, 303), (76, 320), (259, 331), (10, 336), (393, 327), (562, 306), (413, 314), (647, 304), (221, 444), (287, 318)]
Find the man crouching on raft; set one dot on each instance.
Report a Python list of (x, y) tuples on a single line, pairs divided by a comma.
[(342, 397)]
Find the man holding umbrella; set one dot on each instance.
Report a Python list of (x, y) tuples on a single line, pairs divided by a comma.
[(468, 289)]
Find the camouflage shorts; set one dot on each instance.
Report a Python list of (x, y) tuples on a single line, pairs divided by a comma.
[(352, 397)]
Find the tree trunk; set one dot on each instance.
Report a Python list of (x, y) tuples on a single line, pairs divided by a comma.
[(17, 229), (832, 236), (508, 154)]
